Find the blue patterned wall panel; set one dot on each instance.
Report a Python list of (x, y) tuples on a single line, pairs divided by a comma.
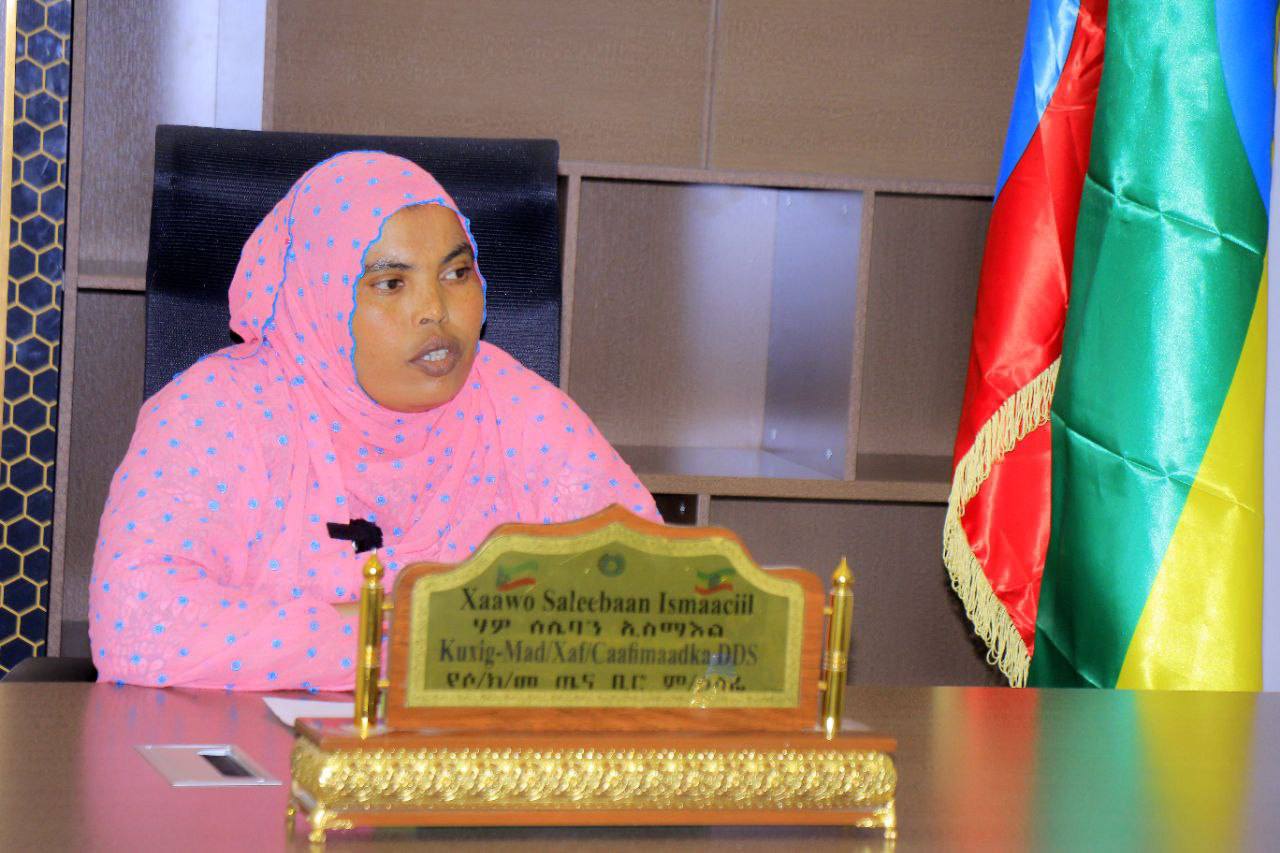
[(33, 329)]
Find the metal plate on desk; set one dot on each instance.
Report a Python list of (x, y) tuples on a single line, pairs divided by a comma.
[(205, 765)]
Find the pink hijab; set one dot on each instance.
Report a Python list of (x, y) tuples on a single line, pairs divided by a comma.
[(213, 566)]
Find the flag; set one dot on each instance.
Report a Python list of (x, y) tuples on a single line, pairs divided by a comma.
[(997, 523), (514, 577), (1153, 574)]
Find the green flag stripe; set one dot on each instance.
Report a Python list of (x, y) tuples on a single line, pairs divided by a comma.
[(1168, 259)]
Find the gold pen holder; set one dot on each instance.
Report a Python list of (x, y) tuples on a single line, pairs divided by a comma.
[(835, 658), (368, 688)]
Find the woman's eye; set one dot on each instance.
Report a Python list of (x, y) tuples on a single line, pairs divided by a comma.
[(388, 284), (457, 274)]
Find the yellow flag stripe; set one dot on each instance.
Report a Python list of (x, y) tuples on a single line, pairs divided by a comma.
[(1201, 628)]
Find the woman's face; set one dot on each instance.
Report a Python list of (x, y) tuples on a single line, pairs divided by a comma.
[(419, 307)]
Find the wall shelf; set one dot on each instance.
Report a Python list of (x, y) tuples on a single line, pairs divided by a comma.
[(745, 472), (715, 463), (772, 335), (793, 180)]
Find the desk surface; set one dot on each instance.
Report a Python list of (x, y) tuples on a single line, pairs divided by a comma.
[(979, 768)]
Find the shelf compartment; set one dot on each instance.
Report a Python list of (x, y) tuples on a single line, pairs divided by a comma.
[(926, 252), (904, 468), (908, 626), (722, 317), (679, 510)]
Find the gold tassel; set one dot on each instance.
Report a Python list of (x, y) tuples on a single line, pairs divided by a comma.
[(1019, 415)]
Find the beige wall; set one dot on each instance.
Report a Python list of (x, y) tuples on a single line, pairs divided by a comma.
[(872, 88)]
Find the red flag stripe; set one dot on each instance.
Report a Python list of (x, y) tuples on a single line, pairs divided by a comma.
[(996, 556)]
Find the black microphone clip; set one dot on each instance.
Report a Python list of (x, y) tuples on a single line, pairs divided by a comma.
[(364, 534)]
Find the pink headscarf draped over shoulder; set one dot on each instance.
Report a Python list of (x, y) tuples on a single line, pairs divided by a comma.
[(214, 567)]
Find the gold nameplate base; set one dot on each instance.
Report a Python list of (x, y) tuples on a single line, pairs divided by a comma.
[(399, 778)]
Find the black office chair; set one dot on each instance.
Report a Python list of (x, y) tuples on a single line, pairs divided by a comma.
[(212, 188)]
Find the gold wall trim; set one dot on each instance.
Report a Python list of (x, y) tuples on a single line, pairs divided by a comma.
[(6, 140)]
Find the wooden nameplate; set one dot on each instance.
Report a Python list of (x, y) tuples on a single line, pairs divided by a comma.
[(606, 671)]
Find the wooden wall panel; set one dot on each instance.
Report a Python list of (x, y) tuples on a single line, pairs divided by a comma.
[(925, 256), (611, 79), (876, 88), (107, 387), (147, 62), (909, 627), (670, 319), (120, 115)]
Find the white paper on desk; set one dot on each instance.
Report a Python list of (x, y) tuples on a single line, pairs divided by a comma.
[(288, 710)]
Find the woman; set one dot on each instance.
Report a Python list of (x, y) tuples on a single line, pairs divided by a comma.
[(361, 391)]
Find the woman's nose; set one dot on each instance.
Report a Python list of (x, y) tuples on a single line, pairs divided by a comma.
[(431, 307)]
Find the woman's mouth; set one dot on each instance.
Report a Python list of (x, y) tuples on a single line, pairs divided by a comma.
[(437, 357)]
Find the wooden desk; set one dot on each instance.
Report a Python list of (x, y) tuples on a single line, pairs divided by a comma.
[(980, 768)]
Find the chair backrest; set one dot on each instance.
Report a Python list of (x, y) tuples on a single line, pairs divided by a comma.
[(212, 188)]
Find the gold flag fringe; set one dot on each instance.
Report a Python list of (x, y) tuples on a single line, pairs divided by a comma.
[(1019, 415)]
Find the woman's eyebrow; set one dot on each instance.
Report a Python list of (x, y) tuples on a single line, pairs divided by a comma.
[(460, 249), (384, 264)]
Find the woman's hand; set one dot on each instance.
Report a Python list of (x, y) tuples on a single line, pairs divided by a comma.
[(348, 609)]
